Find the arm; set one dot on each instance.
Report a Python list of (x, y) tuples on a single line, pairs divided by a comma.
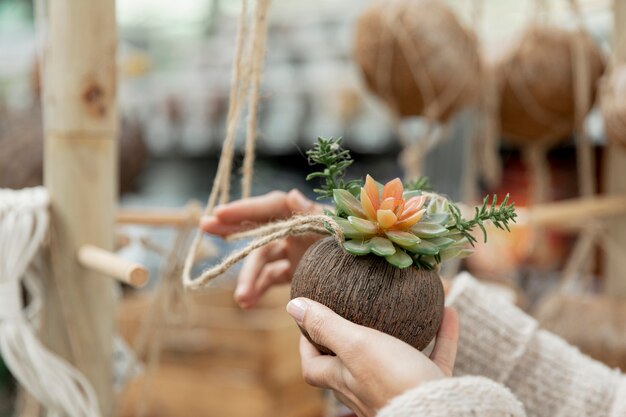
[(550, 377), (456, 397)]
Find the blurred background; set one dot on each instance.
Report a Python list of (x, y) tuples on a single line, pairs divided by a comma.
[(175, 61)]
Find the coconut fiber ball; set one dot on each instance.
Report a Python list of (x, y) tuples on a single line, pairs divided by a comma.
[(538, 84), (417, 57), (367, 290)]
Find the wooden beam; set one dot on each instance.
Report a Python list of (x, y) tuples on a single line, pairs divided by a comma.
[(80, 172), (615, 172), (574, 213)]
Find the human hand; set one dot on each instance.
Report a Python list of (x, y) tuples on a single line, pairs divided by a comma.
[(371, 367), (275, 262)]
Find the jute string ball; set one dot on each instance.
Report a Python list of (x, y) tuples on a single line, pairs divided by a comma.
[(417, 57), (541, 84), (613, 105)]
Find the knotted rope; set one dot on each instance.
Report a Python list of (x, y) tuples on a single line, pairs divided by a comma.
[(298, 225), (52, 381)]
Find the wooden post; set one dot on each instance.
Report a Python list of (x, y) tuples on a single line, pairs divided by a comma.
[(615, 172), (80, 172)]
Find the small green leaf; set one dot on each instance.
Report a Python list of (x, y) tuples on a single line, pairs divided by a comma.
[(345, 201), (455, 252), (356, 247), (438, 218), (381, 246), (403, 239), (424, 248), (349, 231), (364, 226), (400, 259), (428, 230), (442, 242)]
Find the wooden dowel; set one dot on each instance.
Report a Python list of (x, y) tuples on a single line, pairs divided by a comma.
[(573, 213), (110, 264), (189, 214)]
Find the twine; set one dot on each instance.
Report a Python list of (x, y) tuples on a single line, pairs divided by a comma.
[(295, 226), (258, 51), (246, 71)]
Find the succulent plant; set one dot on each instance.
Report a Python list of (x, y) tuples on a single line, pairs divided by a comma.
[(405, 225), (397, 224)]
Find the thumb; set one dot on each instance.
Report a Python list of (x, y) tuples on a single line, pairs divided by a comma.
[(323, 325), (298, 203), (444, 352)]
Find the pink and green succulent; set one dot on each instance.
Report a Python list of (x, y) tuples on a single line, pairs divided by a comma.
[(405, 226)]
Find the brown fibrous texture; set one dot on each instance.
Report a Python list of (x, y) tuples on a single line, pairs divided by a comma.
[(417, 57), (538, 84), (367, 290)]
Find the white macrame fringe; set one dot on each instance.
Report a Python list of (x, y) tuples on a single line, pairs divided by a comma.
[(53, 382)]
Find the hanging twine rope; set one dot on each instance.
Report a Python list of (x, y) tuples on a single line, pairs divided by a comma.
[(246, 78), (258, 52), (52, 381)]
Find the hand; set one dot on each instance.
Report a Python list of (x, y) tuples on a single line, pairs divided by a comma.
[(273, 263), (371, 367)]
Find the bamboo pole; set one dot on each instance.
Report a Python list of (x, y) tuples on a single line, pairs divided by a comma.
[(615, 173), (80, 119)]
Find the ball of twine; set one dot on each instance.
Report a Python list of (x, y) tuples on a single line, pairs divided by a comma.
[(540, 88), (613, 105), (417, 57)]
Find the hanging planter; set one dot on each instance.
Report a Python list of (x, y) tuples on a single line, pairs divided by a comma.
[(385, 274), (542, 80), (417, 57)]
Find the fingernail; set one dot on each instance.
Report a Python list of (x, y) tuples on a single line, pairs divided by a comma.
[(207, 219), (296, 308), (301, 201)]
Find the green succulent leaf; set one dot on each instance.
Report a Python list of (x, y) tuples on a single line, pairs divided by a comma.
[(349, 231), (400, 259), (425, 248), (347, 203), (442, 242), (437, 218), (381, 246), (403, 239), (428, 230), (357, 247), (455, 252), (366, 227)]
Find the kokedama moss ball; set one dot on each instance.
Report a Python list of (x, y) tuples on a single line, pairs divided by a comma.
[(539, 84), (417, 57), (367, 290)]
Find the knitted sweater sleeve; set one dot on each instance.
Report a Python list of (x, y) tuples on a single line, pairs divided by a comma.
[(455, 397), (550, 377)]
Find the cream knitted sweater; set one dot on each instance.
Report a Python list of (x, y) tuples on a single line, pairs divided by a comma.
[(524, 371)]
